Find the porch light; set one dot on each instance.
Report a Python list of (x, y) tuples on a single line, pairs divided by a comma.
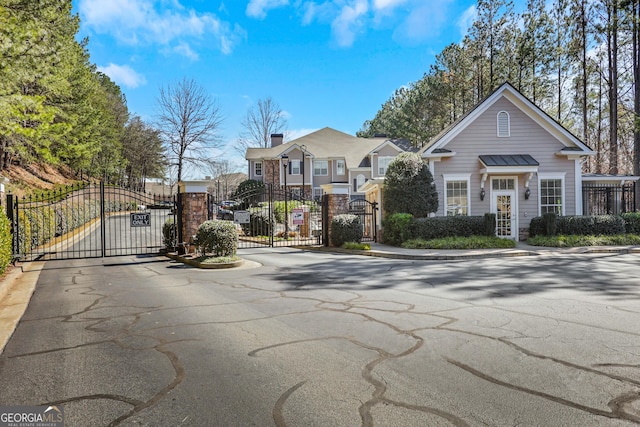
[(527, 193), (482, 193)]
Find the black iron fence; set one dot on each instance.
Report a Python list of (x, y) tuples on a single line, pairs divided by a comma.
[(609, 199), (87, 220), (274, 216)]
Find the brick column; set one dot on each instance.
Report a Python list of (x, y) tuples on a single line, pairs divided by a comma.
[(337, 197), (194, 213)]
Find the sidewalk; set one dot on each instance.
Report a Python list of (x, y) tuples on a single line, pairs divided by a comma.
[(521, 249)]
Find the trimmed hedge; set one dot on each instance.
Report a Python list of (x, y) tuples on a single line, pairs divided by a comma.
[(447, 226), (345, 228), (632, 222), (217, 237), (396, 228), (399, 228), (550, 224)]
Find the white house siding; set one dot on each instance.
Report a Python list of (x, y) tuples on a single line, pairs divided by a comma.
[(526, 137)]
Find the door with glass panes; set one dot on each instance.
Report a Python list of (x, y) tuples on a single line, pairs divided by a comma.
[(503, 204)]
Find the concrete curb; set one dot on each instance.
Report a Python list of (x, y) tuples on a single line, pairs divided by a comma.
[(15, 293), (211, 266), (477, 253)]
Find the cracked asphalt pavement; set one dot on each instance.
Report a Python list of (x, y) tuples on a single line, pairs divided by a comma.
[(297, 338)]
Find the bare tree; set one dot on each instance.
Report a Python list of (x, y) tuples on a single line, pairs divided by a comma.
[(261, 121), (189, 122)]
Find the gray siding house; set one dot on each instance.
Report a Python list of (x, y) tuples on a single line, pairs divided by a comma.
[(507, 156)]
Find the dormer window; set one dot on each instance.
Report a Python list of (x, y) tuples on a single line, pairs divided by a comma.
[(504, 127)]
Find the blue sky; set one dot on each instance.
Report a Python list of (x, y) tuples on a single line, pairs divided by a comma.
[(325, 62)]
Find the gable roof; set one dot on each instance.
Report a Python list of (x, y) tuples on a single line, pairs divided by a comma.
[(506, 90), (326, 143)]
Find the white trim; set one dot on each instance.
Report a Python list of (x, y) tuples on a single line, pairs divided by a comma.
[(291, 162), (507, 91), (314, 167), (344, 167), (558, 175), (389, 158), (498, 134), (456, 178), (386, 143), (255, 164), (578, 186)]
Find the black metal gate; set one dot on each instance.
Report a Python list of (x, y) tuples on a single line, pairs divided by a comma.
[(367, 212), (88, 220), (273, 216)]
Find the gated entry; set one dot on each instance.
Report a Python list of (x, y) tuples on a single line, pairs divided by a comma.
[(88, 220), (273, 216), (367, 211)]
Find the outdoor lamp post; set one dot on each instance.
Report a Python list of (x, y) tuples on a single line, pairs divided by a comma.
[(303, 148), (285, 165)]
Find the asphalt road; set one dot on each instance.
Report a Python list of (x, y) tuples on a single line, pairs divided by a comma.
[(315, 339)]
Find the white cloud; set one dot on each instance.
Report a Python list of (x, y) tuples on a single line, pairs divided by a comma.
[(185, 50), (349, 21), (258, 8), (140, 22), (466, 19), (123, 75), (386, 4)]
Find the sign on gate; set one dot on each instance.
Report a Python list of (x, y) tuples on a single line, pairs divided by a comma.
[(298, 216), (142, 219), (241, 217)]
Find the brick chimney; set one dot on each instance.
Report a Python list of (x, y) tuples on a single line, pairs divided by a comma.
[(276, 139)]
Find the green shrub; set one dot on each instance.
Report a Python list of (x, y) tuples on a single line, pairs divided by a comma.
[(569, 241), (169, 234), (396, 228), (260, 224), (5, 242), (217, 237), (409, 187), (473, 242), (489, 224), (447, 226), (631, 222), (345, 228), (550, 225), (356, 245)]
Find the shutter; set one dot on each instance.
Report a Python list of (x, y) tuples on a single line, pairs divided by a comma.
[(355, 184), (290, 168)]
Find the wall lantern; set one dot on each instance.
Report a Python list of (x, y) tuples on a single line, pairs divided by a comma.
[(482, 193), (527, 193)]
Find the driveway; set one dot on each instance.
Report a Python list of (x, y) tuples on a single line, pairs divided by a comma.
[(299, 338)]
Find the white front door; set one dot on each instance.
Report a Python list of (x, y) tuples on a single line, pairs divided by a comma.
[(503, 205)]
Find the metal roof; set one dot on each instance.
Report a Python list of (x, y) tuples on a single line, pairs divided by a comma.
[(508, 160)]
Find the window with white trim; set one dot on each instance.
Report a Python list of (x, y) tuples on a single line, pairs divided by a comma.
[(457, 196), (317, 193), (383, 164), (321, 167), (340, 167), (504, 125), (295, 167), (551, 195), (257, 169)]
